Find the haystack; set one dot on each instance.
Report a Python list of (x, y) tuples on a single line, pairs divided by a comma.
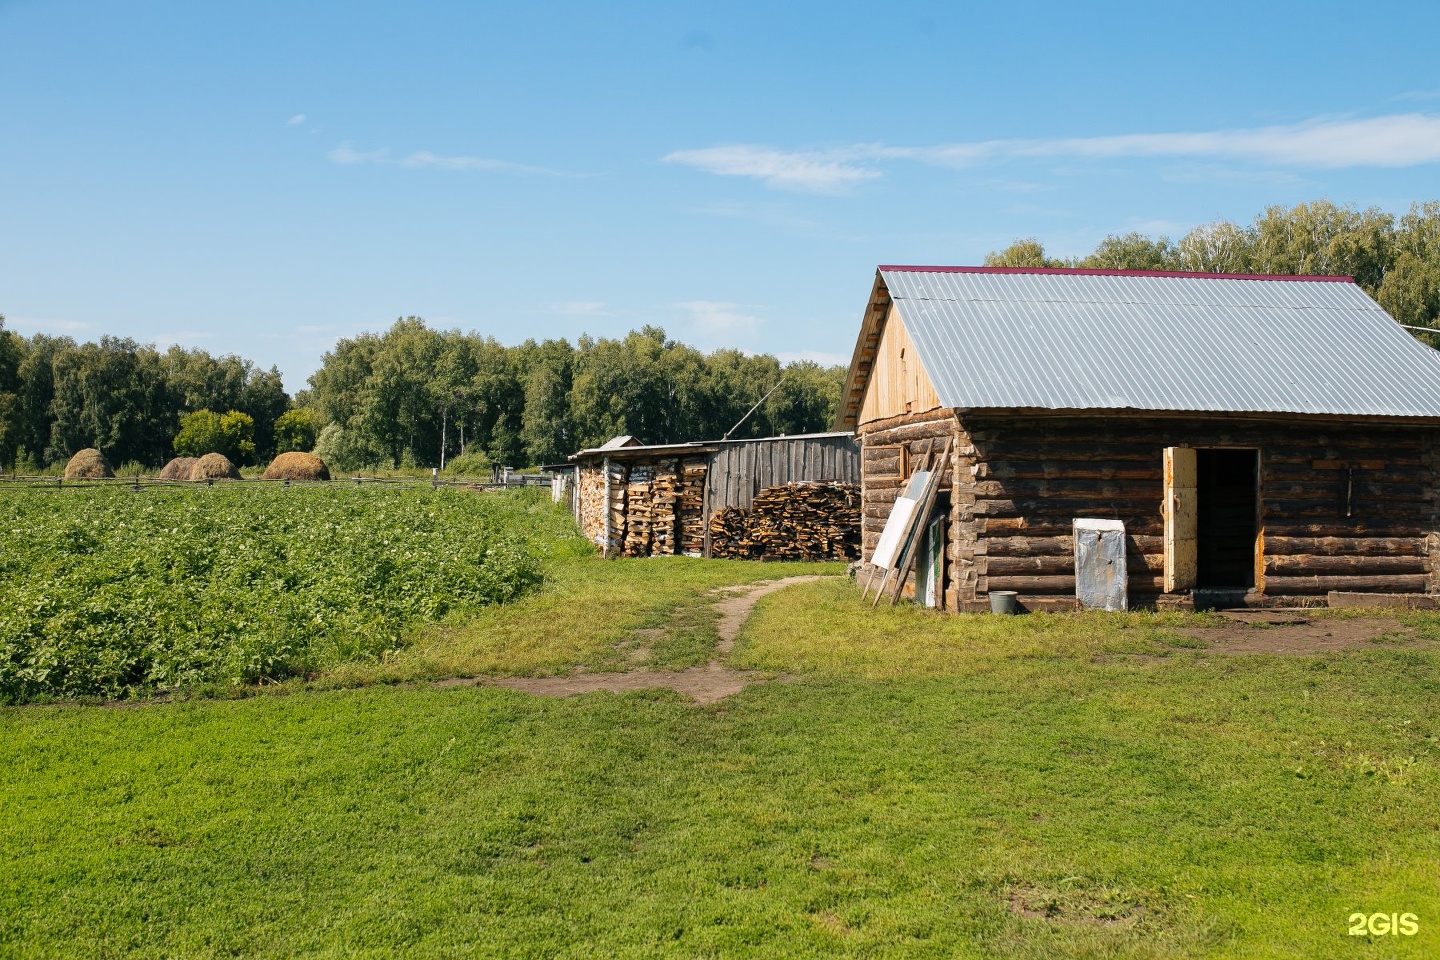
[(88, 464), (177, 469), (297, 466), (214, 466)]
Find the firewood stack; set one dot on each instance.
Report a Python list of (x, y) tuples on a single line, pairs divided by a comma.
[(593, 506), (795, 521), (640, 512), (730, 534), (690, 508), (662, 510)]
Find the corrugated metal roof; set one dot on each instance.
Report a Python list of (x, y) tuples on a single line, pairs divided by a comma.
[(1086, 341)]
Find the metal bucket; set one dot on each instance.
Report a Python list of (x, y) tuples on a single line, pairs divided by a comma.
[(1003, 601)]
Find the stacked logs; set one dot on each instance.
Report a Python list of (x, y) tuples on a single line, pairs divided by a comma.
[(690, 508), (639, 514), (794, 521), (662, 511), (730, 534), (593, 506)]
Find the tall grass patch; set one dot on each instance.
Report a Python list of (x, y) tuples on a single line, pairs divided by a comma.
[(111, 593)]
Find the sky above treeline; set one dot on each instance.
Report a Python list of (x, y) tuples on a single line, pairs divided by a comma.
[(264, 178)]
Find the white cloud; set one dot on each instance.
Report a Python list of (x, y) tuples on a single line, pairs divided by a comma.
[(810, 171), (296, 120), (717, 320), (815, 356), (345, 154), (1400, 140), (1397, 140)]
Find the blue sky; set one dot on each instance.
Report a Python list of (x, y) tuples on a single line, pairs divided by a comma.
[(263, 178)]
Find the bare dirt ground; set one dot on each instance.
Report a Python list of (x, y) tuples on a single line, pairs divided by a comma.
[(1292, 633), (708, 684)]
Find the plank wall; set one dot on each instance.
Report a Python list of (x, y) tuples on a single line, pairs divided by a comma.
[(898, 384), (1033, 475), (739, 469)]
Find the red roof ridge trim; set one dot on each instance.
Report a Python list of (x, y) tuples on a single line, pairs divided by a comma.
[(1086, 272)]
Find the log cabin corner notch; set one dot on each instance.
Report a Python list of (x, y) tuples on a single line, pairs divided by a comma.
[(1265, 440)]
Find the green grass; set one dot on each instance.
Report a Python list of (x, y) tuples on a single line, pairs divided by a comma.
[(112, 592), (917, 786)]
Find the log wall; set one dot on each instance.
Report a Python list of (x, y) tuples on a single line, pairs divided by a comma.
[(890, 450), (1034, 475)]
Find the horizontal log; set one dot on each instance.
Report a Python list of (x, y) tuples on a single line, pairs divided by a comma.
[(1334, 489), (1272, 472), (1311, 565), (1070, 507), (1396, 583), (1073, 469), (1041, 526), (1045, 565), (1060, 545), (1408, 527), (1011, 566), (1346, 546), (880, 467), (993, 451), (1065, 584), (1329, 510), (937, 430), (1408, 453), (1070, 487)]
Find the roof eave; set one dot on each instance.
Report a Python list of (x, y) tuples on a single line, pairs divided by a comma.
[(862, 361)]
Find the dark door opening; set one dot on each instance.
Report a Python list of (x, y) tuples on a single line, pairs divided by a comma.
[(1226, 500)]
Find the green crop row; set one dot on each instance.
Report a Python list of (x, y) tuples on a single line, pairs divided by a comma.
[(111, 593)]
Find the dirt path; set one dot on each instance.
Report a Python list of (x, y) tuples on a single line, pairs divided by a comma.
[(708, 684), (1292, 633)]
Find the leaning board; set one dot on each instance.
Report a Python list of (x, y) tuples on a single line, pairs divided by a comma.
[(899, 521)]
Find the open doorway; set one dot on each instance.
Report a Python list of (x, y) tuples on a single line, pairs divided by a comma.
[(1227, 502)]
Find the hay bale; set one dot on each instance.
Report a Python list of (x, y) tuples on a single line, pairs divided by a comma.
[(297, 466), (214, 466), (88, 464), (177, 469)]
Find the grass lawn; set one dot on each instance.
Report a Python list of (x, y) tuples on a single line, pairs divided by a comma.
[(920, 786)]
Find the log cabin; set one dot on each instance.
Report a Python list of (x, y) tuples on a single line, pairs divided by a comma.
[(1265, 441)]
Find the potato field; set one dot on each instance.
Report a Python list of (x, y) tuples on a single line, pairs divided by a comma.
[(115, 592)]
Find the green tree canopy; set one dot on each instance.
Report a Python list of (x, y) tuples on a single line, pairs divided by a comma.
[(296, 429), (231, 433)]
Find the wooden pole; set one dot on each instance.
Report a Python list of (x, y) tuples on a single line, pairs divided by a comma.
[(605, 550)]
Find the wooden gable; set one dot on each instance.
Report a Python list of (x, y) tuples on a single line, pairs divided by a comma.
[(886, 377), (898, 384)]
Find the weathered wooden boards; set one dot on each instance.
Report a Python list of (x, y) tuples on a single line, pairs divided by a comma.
[(793, 521)]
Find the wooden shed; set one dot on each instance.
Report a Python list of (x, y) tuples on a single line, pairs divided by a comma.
[(635, 499), (1263, 440)]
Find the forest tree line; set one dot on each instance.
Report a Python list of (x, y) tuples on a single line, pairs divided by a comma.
[(397, 398), (414, 396)]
